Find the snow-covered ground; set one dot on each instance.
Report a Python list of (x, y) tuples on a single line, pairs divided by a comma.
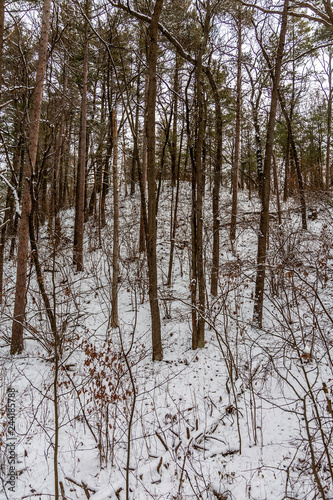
[(249, 416)]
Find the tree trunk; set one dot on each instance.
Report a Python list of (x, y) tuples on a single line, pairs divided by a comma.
[(194, 272), (125, 164), (81, 173), (151, 235), (54, 223), (106, 172), (216, 188), (198, 284), (292, 142), (277, 189), (142, 242), (258, 147), (296, 160), (174, 126), (237, 131), (115, 255), (23, 245), (286, 189), (264, 217), (136, 131), (200, 341), (329, 124), (174, 217), (2, 26)]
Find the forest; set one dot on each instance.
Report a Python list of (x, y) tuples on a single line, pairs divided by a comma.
[(166, 249)]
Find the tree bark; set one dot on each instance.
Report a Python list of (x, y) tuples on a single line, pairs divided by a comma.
[(151, 235), (237, 131), (81, 173), (106, 172), (198, 285), (296, 160), (136, 129), (2, 26), (173, 141), (216, 188), (23, 233), (142, 242), (54, 223), (175, 217), (264, 217), (292, 142), (115, 255), (277, 189), (200, 340), (329, 124)]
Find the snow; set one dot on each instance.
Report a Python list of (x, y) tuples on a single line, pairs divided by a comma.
[(229, 421)]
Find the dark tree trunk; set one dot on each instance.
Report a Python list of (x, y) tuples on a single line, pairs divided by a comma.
[(115, 254), (23, 245), (200, 340), (134, 165), (81, 172), (106, 172), (151, 235), (142, 239), (55, 197), (237, 131), (296, 160), (216, 187), (286, 189), (329, 124), (174, 126), (175, 215), (264, 217)]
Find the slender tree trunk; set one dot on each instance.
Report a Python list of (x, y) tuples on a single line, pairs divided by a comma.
[(194, 272), (151, 174), (63, 171), (3, 232), (174, 171), (329, 124), (258, 147), (2, 26), (296, 160), (10, 213), (142, 242), (54, 209), (198, 284), (264, 217), (23, 245), (19, 172), (115, 256), (81, 172), (199, 212), (174, 126), (125, 164), (286, 189), (292, 141), (175, 218), (106, 172), (277, 190), (237, 131), (216, 188), (136, 128)]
